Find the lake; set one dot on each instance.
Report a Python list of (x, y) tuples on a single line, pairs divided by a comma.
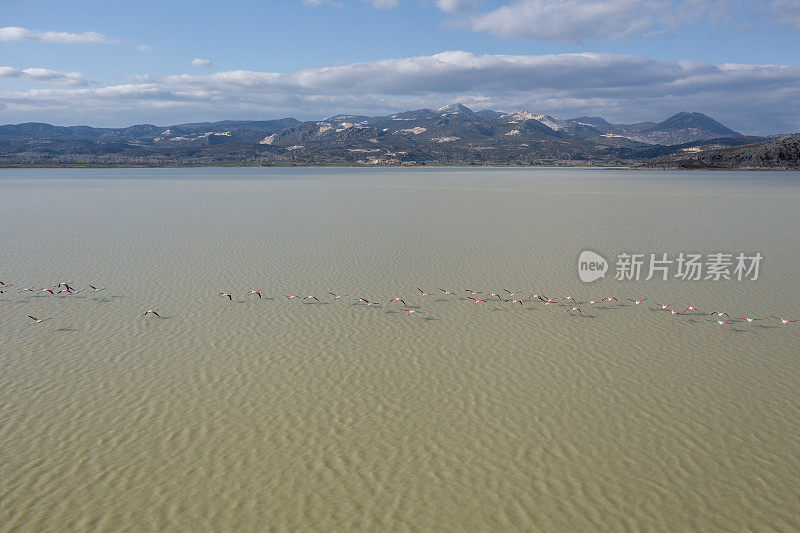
[(330, 414)]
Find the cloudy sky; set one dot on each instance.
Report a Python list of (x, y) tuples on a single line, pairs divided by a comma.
[(122, 63)]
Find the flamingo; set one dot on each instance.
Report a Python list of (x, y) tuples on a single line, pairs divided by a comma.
[(151, 312), (691, 308), (749, 319), (609, 298), (254, 292), (424, 293), (785, 321), (224, 294), (719, 313), (336, 296), (514, 301), (97, 289), (373, 303), (720, 322), (571, 309), (663, 306), (569, 299), (674, 312), (310, 297), (292, 296), (495, 294), (447, 292), (27, 290), (47, 290), (476, 300), (412, 310), (398, 299), (637, 302), (37, 320), (472, 293)]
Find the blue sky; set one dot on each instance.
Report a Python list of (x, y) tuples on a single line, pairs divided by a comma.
[(116, 64)]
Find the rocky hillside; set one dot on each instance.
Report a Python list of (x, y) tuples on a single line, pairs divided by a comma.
[(783, 154)]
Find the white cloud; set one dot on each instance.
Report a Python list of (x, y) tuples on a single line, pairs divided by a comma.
[(383, 4), (787, 12), (144, 48), (449, 6), (199, 63), (578, 20), (749, 98), (14, 33), (44, 75)]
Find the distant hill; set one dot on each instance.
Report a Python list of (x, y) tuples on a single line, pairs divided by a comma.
[(783, 154), (452, 134)]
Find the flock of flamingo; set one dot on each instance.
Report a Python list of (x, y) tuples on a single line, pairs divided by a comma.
[(66, 289)]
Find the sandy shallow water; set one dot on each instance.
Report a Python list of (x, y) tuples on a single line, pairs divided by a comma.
[(334, 416)]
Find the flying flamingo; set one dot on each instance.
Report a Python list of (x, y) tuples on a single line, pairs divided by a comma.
[(571, 309), (27, 290), (674, 312), (152, 312), (96, 289), (447, 292), (292, 296), (398, 299), (663, 306), (719, 313), (412, 310), (514, 301), (373, 303), (785, 321), (310, 297), (47, 290), (609, 298), (36, 320), (476, 300), (691, 308), (720, 322), (224, 294), (637, 302), (424, 293), (254, 292), (336, 296), (569, 299), (472, 293), (749, 319)]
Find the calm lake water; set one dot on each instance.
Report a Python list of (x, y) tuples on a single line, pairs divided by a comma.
[(334, 416)]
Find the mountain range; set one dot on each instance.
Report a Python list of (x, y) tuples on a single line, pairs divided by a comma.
[(453, 134)]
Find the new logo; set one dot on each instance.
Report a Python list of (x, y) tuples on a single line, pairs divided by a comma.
[(591, 266)]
